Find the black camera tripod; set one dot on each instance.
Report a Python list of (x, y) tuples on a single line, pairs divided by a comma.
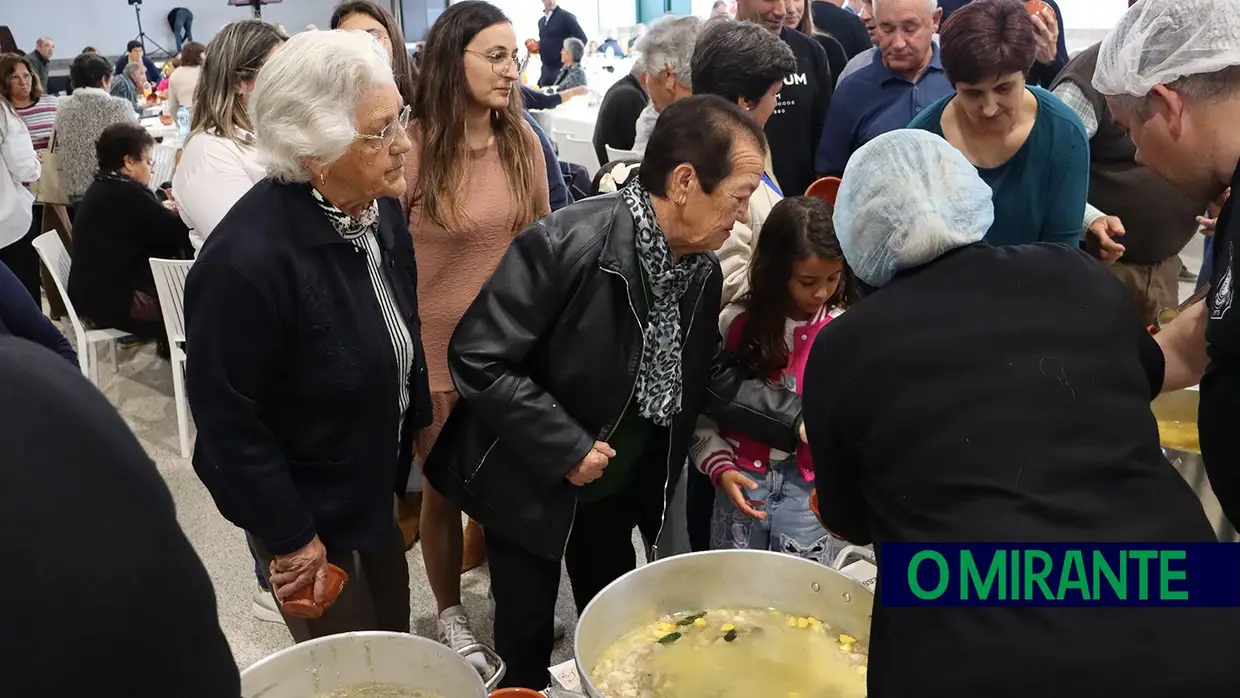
[(142, 36)]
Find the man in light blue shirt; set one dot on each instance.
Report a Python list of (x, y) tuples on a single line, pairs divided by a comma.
[(903, 78)]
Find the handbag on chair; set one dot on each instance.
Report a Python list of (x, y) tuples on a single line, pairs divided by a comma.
[(50, 187)]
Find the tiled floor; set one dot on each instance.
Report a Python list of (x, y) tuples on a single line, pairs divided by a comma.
[(142, 391)]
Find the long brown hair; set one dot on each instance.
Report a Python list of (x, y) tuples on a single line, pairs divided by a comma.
[(797, 228), (440, 108), (8, 66), (235, 55), (403, 69)]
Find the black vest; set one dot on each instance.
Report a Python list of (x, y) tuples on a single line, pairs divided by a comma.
[(1158, 218)]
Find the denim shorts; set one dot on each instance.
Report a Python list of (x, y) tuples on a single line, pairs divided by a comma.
[(790, 525)]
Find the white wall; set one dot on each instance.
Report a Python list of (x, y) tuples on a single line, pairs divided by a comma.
[(595, 16), (1092, 14), (109, 24)]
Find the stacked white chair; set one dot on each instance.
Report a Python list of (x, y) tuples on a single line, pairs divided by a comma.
[(579, 151)]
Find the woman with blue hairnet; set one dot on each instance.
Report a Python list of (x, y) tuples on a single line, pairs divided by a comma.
[(974, 397)]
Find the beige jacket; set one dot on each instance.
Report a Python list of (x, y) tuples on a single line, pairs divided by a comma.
[(738, 249)]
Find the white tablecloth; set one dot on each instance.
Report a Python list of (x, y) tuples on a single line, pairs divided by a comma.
[(157, 129), (575, 118)]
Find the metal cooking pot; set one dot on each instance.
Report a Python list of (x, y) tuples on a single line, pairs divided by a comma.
[(319, 667), (1181, 406), (719, 579)]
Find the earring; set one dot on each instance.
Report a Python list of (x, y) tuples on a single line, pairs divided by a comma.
[(322, 179)]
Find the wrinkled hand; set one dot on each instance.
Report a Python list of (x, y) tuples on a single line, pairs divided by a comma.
[(1102, 233), (734, 483), (291, 573), (1046, 35), (1210, 220), (592, 466)]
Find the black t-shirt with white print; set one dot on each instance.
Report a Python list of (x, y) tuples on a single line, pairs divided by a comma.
[(1219, 412), (794, 129)]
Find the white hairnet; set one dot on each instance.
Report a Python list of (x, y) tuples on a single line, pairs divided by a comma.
[(907, 197), (1160, 41)]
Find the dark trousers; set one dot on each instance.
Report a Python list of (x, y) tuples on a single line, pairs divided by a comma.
[(699, 507), (526, 586), (23, 260), (182, 21), (375, 598)]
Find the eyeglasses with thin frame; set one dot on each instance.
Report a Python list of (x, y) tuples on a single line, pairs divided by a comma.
[(500, 60), (386, 137)]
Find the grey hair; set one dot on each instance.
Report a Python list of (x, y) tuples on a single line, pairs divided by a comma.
[(1202, 87), (133, 70), (576, 49), (304, 103), (668, 45), (931, 6)]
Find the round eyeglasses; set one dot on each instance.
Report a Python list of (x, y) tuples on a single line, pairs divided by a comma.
[(500, 60), (386, 137)]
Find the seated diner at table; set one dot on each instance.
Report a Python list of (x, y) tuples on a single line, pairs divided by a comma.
[(1026, 144), (973, 397), (119, 226)]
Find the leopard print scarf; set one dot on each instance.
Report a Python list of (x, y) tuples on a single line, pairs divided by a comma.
[(659, 378)]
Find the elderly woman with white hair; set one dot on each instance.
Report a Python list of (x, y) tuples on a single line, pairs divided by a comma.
[(973, 397), (667, 51), (572, 74), (307, 378)]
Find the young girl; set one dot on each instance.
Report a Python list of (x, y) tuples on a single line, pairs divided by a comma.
[(797, 283)]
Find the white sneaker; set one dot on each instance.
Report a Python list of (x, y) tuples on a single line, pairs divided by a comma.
[(265, 609), (454, 631), (558, 628)]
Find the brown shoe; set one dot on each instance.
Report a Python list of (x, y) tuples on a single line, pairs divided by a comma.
[(474, 552), (408, 515)]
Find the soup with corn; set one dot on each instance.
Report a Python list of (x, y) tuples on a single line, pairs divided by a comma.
[(733, 653)]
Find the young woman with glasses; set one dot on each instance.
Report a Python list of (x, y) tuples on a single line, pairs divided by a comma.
[(476, 177)]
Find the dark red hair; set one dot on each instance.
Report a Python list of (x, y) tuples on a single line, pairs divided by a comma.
[(987, 38)]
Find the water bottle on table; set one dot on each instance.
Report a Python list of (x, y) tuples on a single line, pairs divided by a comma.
[(183, 123)]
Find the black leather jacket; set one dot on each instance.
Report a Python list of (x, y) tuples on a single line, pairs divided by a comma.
[(546, 359)]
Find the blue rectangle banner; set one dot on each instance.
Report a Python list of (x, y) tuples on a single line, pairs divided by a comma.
[(1060, 574)]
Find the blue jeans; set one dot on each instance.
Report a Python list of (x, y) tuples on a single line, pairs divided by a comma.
[(790, 525)]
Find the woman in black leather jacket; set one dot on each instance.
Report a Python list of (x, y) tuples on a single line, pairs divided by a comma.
[(583, 365)]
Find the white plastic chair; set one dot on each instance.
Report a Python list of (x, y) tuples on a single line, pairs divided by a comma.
[(165, 157), (56, 258), (614, 154), (579, 151), (170, 277)]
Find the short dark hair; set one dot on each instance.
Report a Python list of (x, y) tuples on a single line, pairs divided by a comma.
[(192, 53), (89, 70), (133, 45), (90, 49), (119, 140), (702, 131), (987, 38), (739, 60)]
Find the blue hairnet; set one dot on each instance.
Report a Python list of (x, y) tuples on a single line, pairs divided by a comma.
[(907, 197)]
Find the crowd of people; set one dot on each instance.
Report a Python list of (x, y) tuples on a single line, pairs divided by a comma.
[(398, 317)]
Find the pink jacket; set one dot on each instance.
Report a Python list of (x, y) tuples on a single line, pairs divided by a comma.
[(718, 450)]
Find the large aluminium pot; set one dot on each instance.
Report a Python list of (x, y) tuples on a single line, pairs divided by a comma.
[(319, 667), (719, 579), (1181, 406)]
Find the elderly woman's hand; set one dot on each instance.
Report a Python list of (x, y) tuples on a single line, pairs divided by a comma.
[(1046, 34), (592, 466), (291, 573)]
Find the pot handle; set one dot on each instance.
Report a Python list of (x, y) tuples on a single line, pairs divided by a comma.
[(493, 659), (850, 553)]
